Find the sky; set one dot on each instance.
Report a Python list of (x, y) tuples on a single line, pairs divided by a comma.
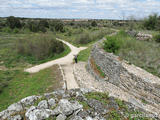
[(92, 9)]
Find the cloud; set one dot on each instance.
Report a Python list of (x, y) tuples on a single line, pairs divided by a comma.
[(109, 9)]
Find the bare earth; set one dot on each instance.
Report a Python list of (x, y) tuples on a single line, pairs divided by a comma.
[(66, 63)]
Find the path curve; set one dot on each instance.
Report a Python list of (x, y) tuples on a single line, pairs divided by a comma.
[(66, 63)]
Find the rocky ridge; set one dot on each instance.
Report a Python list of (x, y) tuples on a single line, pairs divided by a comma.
[(75, 104)]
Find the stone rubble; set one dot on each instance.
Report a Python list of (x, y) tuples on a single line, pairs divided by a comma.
[(63, 105)]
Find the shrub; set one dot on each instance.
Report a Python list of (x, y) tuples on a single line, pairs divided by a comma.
[(6, 29), (157, 38), (59, 27), (44, 23), (111, 44), (151, 22), (94, 23), (15, 30), (84, 38), (39, 47), (13, 22), (33, 26)]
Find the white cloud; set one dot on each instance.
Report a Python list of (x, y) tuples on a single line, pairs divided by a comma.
[(79, 8)]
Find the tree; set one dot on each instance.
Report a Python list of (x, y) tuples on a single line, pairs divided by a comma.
[(151, 22), (94, 23), (44, 23), (13, 22), (33, 26), (59, 27)]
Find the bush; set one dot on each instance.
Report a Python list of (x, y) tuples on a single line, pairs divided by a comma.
[(13, 22), (157, 38), (111, 44), (40, 47), (33, 26), (15, 30), (94, 23), (59, 27), (151, 22), (7, 30), (44, 23), (84, 38)]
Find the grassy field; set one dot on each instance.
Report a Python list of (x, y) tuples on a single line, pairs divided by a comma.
[(84, 54), (144, 54), (25, 84), (16, 84), (73, 35)]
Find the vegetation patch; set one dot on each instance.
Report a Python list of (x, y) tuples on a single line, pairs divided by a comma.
[(97, 69), (102, 97), (39, 47), (23, 85), (140, 53), (84, 54)]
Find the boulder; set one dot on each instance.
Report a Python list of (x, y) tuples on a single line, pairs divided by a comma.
[(43, 104), (98, 106), (30, 100), (61, 117), (52, 102), (16, 107), (67, 108), (76, 118), (17, 117), (38, 114)]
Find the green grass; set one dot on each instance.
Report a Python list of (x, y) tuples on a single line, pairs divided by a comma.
[(56, 56), (16, 84), (84, 54), (10, 57), (24, 84), (102, 97), (102, 74), (144, 54), (73, 34)]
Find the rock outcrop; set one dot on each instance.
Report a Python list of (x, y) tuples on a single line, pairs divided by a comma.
[(77, 104), (134, 80), (140, 36)]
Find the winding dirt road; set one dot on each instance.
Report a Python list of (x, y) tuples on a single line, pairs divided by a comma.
[(66, 63)]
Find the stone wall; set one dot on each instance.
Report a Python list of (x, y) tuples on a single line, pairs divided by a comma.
[(130, 78)]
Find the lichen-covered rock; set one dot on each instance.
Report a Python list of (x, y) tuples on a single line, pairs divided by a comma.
[(67, 107), (98, 106), (83, 114), (17, 117), (52, 102), (30, 100), (61, 117), (76, 118), (142, 36), (43, 104), (89, 118), (132, 33), (38, 114), (5, 114), (70, 108), (16, 107)]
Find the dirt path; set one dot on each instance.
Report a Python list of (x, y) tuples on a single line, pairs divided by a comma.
[(66, 62)]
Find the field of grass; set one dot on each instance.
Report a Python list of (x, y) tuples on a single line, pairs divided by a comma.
[(16, 84), (144, 54), (73, 35), (84, 54), (25, 84)]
